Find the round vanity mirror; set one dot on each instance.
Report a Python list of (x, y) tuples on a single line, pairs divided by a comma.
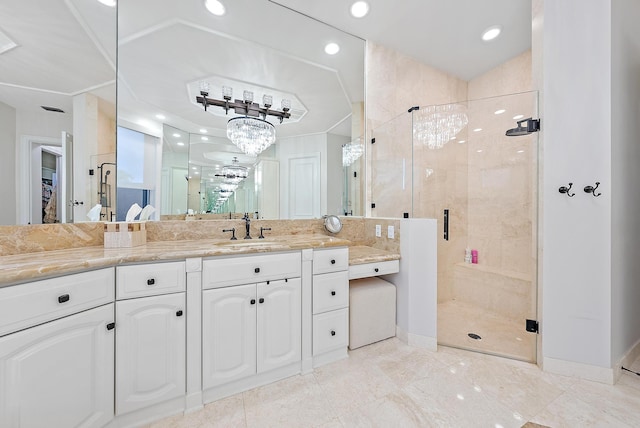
[(332, 223)]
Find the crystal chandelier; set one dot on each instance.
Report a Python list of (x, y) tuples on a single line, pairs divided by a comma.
[(234, 173), (435, 126), (251, 132), (351, 152)]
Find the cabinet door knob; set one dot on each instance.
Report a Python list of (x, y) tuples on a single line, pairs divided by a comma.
[(111, 326), (333, 262), (63, 298), (333, 332), (179, 313), (376, 269), (151, 281), (333, 293), (257, 270), (253, 301), (261, 300)]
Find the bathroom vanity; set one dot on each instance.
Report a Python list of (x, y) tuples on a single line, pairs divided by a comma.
[(122, 337)]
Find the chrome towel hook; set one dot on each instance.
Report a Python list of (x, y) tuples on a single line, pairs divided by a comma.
[(592, 190), (567, 190)]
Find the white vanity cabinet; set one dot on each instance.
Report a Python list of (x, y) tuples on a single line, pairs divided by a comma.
[(330, 305), (57, 370), (251, 312), (150, 335)]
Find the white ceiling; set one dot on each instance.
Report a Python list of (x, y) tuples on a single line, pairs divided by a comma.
[(67, 47)]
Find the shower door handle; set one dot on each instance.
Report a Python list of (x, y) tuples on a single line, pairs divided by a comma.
[(446, 224)]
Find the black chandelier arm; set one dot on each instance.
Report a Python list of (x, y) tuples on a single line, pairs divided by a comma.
[(242, 108)]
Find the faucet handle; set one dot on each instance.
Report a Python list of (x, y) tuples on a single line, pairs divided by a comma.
[(233, 233), (261, 230)]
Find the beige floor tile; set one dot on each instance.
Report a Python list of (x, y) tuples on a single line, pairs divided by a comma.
[(449, 400), (394, 410), (619, 401), (294, 402), (568, 411)]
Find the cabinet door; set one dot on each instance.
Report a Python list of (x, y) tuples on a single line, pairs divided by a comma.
[(279, 323), (59, 374), (228, 334), (150, 351)]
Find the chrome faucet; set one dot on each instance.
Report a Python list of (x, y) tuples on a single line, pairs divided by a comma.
[(247, 225)]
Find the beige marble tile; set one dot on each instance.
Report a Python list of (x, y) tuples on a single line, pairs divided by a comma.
[(294, 402), (568, 411), (450, 400), (394, 410), (349, 384)]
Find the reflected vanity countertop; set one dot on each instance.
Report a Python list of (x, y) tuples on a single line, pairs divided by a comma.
[(33, 266), (360, 254)]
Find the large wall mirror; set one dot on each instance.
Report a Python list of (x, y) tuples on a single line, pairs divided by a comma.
[(57, 109), (166, 49)]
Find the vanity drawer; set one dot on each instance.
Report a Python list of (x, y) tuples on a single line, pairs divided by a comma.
[(330, 331), (374, 269), (29, 304), (333, 260), (226, 271), (330, 291), (150, 279)]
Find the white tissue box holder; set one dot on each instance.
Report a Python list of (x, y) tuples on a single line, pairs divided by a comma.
[(123, 234)]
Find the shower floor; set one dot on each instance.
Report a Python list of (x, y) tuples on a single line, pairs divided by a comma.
[(500, 335)]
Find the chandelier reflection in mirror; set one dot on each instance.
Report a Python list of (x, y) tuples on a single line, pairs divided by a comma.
[(232, 176), (435, 126), (351, 152), (251, 133)]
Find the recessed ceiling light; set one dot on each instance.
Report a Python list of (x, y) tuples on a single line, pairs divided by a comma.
[(110, 3), (518, 116), (479, 151), (204, 138), (196, 172), (499, 111), (193, 167), (461, 142), (161, 116), (491, 33), (175, 134), (215, 7), (332, 48), (520, 151), (203, 131), (477, 130), (359, 9), (180, 143)]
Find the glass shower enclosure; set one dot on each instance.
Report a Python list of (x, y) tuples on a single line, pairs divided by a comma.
[(455, 163)]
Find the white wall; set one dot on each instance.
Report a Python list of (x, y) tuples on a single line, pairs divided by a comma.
[(8, 164), (625, 210), (577, 148)]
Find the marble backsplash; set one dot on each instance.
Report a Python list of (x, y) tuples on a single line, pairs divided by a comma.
[(36, 238)]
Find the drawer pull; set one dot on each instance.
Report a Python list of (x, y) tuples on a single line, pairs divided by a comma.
[(261, 300), (333, 293), (333, 261), (257, 270), (151, 281), (63, 298), (253, 301), (179, 313), (376, 269), (111, 326), (333, 332)]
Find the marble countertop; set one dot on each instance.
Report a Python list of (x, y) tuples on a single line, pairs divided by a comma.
[(360, 254), (32, 266)]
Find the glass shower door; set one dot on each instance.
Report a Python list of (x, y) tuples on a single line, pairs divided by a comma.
[(485, 184)]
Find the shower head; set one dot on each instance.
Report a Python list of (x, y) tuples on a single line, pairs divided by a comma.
[(108, 172), (532, 125)]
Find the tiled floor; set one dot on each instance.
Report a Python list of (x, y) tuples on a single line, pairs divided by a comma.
[(390, 384), (500, 335)]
